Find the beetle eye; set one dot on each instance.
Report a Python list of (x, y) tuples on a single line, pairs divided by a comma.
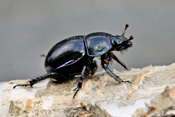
[(119, 41)]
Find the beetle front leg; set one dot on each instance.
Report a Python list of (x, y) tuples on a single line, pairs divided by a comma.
[(106, 68), (120, 62), (80, 82)]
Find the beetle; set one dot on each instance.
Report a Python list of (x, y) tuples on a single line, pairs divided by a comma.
[(75, 56)]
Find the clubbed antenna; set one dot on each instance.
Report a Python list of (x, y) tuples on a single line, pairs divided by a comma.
[(131, 37), (126, 26)]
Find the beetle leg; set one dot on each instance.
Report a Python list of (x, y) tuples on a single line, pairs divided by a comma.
[(80, 82), (106, 68), (120, 62), (91, 68), (34, 81)]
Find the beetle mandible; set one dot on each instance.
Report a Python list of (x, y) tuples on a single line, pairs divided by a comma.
[(75, 56)]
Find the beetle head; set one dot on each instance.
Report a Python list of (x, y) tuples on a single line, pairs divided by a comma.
[(120, 42)]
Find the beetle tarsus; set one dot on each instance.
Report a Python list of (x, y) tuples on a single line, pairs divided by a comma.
[(33, 81), (21, 85), (80, 82), (77, 89)]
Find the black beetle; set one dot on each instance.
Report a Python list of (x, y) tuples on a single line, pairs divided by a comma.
[(74, 56)]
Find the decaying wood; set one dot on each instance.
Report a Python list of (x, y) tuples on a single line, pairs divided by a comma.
[(151, 93)]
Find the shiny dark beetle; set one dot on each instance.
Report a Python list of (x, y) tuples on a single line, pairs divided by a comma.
[(74, 56)]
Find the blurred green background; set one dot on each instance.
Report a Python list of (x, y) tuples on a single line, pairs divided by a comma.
[(29, 28)]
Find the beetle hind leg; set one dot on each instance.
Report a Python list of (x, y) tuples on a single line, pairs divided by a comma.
[(33, 81)]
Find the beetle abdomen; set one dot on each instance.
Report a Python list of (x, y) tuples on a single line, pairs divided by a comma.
[(97, 44), (65, 53)]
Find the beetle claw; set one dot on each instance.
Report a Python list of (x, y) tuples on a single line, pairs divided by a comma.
[(76, 91), (127, 81)]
